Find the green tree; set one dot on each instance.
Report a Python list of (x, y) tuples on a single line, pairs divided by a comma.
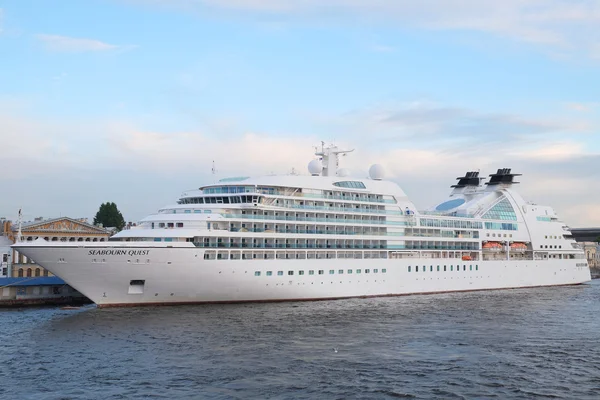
[(109, 216)]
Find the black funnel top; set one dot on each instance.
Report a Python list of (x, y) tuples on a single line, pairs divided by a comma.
[(470, 179), (502, 176)]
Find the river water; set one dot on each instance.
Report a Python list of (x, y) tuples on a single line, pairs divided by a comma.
[(507, 344)]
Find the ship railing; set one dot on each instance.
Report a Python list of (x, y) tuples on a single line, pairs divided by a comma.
[(314, 231), (276, 246), (340, 209), (349, 198), (443, 214), (310, 219), (290, 246)]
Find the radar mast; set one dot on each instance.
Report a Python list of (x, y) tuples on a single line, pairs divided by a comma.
[(330, 158)]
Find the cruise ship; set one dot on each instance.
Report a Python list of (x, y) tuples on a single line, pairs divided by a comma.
[(324, 235)]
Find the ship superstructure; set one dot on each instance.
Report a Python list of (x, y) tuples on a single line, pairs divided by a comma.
[(322, 236)]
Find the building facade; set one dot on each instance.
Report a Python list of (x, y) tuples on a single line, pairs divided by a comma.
[(592, 253), (62, 229)]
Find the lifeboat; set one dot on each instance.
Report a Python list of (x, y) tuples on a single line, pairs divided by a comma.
[(492, 246), (467, 258), (518, 246)]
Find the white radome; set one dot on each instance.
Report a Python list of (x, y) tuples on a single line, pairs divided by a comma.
[(376, 172), (343, 172), (315, 167)]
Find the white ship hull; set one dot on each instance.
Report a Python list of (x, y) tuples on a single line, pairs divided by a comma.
[(173, 275)]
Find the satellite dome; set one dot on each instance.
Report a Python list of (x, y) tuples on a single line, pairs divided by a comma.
[(376, 172), (315, 167), (342, 172)]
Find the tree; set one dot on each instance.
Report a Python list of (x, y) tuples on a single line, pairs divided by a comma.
[(109, 216)]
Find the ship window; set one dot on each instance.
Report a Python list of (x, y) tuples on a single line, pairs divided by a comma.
[(444, 268), (476, 267), (290, 272), (349, 271), (161, 225), (170, 225), (383, 270), (300, 272), (257, 273), (431, 268), (502, 210), (341, 271), (367, 271), (269, 273), (321, 272), (358, 271), (438, 268), (452, 268), (409, 268), (279, 273), (470, 268), (180, 224), (331, 272), (464, 267), (417, 268), (311, 272), (375, 270)]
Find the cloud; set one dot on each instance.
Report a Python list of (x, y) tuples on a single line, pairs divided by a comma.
[(582, 107), (382, 48), (570, 26), (57, 43), (143, 168), (456, 129)]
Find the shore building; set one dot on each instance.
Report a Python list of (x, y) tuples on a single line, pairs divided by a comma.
[(63, 229)]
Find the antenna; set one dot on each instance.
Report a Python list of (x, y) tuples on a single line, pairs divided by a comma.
[(213, 170), (20, 232)]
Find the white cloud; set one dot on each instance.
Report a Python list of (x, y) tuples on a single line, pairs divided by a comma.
[(81, 163), (382, 48), (554, 151), (58, 43), (571, 26), (582, 107)]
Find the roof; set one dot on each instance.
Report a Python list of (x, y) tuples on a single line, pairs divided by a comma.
[(41, 281), (34, 224), (316, 182)]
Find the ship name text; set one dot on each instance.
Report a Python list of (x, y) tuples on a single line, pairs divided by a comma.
[(118, 252)]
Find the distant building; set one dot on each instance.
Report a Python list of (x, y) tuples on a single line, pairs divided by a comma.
[(38, 291), (5, 243), (62, 229), (592, 253)]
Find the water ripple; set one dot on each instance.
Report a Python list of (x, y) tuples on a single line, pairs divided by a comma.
[(513, 344)]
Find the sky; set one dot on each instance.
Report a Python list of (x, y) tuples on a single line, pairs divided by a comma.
[(131, 101)]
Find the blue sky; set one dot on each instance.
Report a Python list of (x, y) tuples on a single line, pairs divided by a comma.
[(130, 101)]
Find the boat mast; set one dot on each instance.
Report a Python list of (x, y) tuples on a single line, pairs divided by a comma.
[(20, 232), (330, 158)]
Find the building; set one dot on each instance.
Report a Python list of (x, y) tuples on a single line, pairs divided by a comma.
[(592, 253), (61, 229), (5, 251), (38, 291)]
